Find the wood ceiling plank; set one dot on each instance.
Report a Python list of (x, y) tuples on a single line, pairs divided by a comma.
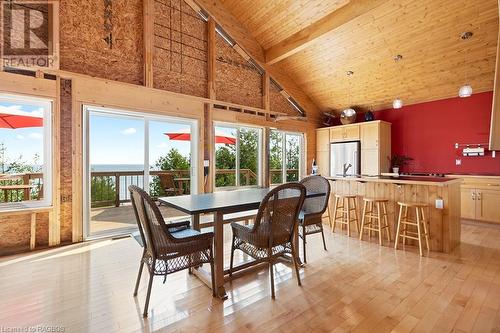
[(305, 37)]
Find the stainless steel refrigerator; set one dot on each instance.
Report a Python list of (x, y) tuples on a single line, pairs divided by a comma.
[(345, 158)]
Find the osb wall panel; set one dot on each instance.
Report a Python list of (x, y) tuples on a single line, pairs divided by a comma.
[(236, 80), (279, 103), (15, 231), (180, 49), (86, 31), (66, 161)]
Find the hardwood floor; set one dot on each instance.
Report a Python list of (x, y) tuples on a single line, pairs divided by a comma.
[(355, 286)]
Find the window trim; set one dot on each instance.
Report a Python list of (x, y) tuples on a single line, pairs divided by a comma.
[(48, 148), (284, 133), (259, 154)]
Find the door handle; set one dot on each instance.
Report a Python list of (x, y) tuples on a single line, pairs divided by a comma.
[(473, 194), (479, 196)]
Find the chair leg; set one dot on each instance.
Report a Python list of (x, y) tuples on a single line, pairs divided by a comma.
[(323, 236), (386, 221), (362, 221), (405, 218), (424, 223), (139, 277), (398, 227), (296, 265), (379, 219), (271, 272), (419, 233), (335, 214), (232, 257), (348, 219), (304, 242), (150, 285)]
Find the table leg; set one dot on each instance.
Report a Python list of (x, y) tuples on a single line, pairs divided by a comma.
[(219, 255), (195, 221)]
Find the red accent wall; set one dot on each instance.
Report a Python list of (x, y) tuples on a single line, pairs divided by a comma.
[(427, 132)]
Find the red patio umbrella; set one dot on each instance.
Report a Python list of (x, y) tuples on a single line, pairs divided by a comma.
[(19, 119), (185, 135)]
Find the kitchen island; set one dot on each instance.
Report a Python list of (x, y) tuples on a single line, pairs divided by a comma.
[(444, 223)]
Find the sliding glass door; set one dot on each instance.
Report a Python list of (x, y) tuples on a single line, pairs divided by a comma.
[(130, 148), (285, 156)]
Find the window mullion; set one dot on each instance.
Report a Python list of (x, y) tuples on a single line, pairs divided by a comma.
[(237, 157)]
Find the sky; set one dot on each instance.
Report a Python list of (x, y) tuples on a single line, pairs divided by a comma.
[(24, 142), (120, 139)]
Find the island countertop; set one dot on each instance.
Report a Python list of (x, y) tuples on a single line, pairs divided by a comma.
[(410, 180)]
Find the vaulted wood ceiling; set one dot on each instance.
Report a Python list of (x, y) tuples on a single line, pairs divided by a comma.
[(365, 40)]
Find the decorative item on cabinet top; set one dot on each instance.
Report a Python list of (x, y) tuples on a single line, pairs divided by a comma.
[(348, 116)]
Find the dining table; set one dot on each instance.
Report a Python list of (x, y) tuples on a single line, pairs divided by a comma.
[(219, 204)]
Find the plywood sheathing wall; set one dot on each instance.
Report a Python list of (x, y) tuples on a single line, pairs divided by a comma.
[(279, 103), (180, 49), (236, 80), (83, 34), (66, 161)]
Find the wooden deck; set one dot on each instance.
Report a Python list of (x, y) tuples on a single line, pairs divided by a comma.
[(355, 286), (112, 218)]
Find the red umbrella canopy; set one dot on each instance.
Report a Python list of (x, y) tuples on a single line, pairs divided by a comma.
[(185, 135), (19, 119)]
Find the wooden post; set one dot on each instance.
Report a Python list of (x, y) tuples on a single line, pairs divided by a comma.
[(26, 181), (117, 190), (148, 35), (208, 123)]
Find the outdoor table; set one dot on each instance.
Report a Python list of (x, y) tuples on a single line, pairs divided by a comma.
[(180, 182), (221, 203)]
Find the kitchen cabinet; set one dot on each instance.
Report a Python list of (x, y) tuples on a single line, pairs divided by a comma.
[(344, 133), (480, 197), (323, 151), (375, 137)]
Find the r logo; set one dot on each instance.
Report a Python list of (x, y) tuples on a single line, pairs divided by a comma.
[(27, 39)]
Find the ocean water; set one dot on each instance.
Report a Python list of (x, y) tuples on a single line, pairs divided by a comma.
[(116, 167)]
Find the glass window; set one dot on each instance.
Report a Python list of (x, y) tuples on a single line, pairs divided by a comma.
[(237, 152), (285, 156), (25, 151)]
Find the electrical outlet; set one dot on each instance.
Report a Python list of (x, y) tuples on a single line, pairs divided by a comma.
[(493, 154), (439, 204), (458, 161)]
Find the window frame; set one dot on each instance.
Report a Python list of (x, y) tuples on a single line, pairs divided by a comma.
[(47, 143), (284, 133), (238, 127)]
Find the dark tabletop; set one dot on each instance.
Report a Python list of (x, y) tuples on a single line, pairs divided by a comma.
[(238, 200)]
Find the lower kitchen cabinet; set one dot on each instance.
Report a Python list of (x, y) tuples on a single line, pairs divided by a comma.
[(480, 199)]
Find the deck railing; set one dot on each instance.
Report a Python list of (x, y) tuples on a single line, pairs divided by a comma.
[(110, 188)]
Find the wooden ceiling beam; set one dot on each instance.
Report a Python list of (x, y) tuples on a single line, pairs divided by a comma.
[(248, 44), (305, 37)]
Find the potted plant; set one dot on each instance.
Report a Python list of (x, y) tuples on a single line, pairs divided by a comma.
[(399, 161)]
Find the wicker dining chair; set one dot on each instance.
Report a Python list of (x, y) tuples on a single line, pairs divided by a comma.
[(167, 182), (272, 233), (310, 217), (168, 248)]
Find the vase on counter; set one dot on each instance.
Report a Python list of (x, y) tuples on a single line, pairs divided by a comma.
[(395, 170)]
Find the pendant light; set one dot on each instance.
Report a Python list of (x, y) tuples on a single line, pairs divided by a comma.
[(466, 89), (348, 116), (398, 103)]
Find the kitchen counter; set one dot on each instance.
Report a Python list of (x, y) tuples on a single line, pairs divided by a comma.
[(444, 223), (410, 180)]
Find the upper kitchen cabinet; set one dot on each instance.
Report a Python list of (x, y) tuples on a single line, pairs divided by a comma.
[(344, 133)]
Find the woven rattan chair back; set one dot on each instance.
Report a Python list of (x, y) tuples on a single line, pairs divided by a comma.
[(316, 184), (152, 226), (278, 213)]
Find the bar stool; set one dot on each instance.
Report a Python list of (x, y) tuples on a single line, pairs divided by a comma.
[(346, 206), (420, 222), (375, 218)]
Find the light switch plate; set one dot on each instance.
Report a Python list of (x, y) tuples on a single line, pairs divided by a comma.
[(458, 161), (439, 204)]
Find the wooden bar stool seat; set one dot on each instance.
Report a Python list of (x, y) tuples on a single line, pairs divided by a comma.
[(345, 212), (375, 211), (420, 224)]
